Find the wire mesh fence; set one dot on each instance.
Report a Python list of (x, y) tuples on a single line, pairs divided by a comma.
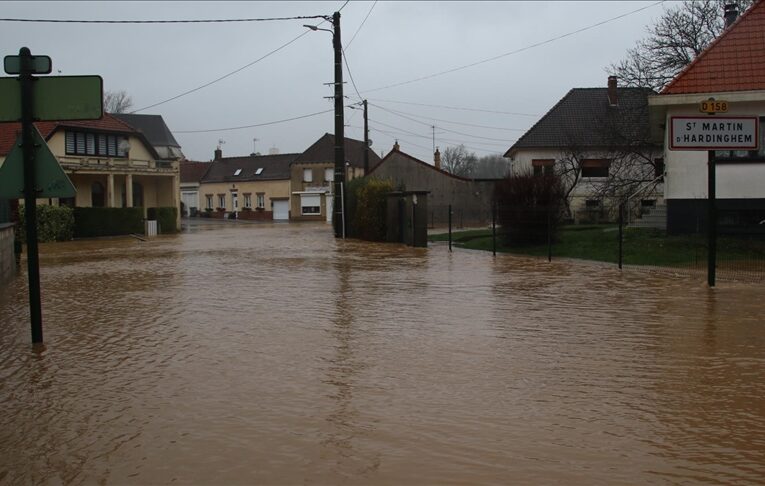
[(739, 249)]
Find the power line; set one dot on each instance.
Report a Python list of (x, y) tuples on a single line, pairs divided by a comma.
[(353, 82), (460, 123), (407, 132), (442, 128), (452, 107), (256, 124), (516, 51), (188, 21), (225, 75), (360, 26)]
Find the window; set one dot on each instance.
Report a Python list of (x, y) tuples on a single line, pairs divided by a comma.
[(261, 199), (595, 167), (658, 168), (310, 204), (85, 143), (259, 171), (329, 174), (237, 172), (307, 175), (592, 204), (208, 201), (543, 166), (247, 200), (222, 201)]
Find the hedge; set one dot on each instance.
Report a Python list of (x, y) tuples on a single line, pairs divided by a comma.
[(366, 211), (90, 222), (166, 218), (54, 223)]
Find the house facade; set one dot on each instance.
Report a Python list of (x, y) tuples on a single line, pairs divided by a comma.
[(191, 175), (254, 187), (312, 173), (470, 199), (598, 141), (110, 164), (730, 69)]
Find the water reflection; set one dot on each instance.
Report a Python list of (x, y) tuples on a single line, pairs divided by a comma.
[(276, 354)]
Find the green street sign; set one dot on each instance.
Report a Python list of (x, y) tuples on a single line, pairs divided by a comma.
[(50, 181), (40, 64), (56, 98)]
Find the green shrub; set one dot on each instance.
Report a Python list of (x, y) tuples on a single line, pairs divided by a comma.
[(366, 208), (54, 223), (526, 205), (90, 222), (166, 220)]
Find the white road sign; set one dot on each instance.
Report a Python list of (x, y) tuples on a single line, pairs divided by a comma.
[(714, 133)]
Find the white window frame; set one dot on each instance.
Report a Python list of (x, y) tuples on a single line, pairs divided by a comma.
[(307, 175), (329, 174), (260, 199), (209, 201), (248, 200), (222, 201), (315, 204)]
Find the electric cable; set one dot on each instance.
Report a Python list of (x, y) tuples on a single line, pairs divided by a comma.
[(360, 26)]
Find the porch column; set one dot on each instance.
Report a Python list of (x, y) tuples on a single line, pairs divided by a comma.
[(129, 190), (110, 191)]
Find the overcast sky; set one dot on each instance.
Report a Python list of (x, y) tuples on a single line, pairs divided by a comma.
[(399, 42)]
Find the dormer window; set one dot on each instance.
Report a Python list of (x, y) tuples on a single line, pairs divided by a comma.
[(259, 171), (237, 172)]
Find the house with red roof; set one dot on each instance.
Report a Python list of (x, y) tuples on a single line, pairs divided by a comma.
[(110, 163), (730, 69)]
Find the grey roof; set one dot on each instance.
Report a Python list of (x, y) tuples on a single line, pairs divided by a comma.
[(275, 167), (584, 118), (323, 150), (152, 126)]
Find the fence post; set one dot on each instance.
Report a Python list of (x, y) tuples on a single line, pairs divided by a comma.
[(450, 227), (549, 234), (621, 234), (494, 229)]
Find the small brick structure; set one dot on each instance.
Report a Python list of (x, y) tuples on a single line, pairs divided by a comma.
[(255, 215)]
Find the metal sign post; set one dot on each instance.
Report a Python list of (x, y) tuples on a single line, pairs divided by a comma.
[(712, 133), (28, 99)]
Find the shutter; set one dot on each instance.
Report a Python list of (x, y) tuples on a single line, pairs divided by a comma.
[(102, 145), (70, 145), (111, 145), (90, 144), (80, 140)]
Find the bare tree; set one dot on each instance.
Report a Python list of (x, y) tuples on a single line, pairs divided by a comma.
[(458, 161), (117, 101), (673, 41), (491, 167)]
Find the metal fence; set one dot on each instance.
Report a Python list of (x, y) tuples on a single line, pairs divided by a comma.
[(739, 250)]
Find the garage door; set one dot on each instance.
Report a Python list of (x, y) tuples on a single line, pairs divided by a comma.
[(281, 210)]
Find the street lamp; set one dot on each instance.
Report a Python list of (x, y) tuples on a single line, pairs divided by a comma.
[(339, 194)]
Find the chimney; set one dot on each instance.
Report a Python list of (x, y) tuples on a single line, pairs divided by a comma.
[(437, 159), (396, 146), (218, 153), (612, 99), (730, 14)]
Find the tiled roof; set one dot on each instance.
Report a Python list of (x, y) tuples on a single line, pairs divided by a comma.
[(323, 150), (193, 171), (108, 123), (153, 126), (275, 167), (398, 154), (735, 61), (584, 118)]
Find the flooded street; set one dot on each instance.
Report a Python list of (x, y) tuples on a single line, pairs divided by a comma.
[(275, 354)]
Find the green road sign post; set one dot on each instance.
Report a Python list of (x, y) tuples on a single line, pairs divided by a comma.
[(28, 99)]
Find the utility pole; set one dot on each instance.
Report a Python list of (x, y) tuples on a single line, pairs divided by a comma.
[(339, 197), (366, 140)]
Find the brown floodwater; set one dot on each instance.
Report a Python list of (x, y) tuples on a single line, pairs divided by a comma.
[(241, 353)]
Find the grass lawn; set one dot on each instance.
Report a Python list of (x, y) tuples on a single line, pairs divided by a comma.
[(642, 246)]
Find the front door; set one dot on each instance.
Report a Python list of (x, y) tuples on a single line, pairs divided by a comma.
[(235, 201)]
